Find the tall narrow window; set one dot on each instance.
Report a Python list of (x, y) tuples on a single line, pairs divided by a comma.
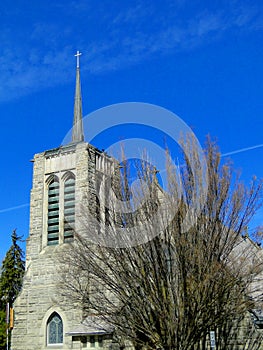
[(55, 329), (69, 208), (53, 212)]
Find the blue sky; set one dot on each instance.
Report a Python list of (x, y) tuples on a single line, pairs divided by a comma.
[(200, 59)]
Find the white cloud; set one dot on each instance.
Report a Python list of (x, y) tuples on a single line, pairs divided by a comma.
[(120, 38)]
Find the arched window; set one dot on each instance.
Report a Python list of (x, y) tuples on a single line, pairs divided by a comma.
[(69, 208), (53, 212), (54, 329)]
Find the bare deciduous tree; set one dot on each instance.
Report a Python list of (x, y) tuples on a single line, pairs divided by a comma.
[(187, 278)]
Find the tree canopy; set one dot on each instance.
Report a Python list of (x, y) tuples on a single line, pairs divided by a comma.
[(194, 273)]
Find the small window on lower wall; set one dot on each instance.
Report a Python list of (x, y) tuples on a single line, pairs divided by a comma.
[(84, 342), (92, 341), (100, 341)]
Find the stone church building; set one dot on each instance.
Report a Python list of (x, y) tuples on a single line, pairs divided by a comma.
[(43, 319)]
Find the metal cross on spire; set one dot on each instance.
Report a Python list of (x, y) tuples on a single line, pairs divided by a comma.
[(78, 54)]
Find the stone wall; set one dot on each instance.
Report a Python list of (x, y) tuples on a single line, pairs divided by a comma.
[(40, 295)]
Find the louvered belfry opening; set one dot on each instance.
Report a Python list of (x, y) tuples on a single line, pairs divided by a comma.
[(69, 208), (53, 212)]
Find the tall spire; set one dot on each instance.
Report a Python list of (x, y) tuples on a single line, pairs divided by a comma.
[(77, 131)]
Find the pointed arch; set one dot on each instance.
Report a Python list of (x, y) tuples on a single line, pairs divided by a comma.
[(69, 206), (52, 178), (53, 210), (54, 329)]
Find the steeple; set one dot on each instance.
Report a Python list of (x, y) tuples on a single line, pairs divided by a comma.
[(77, 130)]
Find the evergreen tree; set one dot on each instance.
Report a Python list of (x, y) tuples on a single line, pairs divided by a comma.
[(11, 278), (2, 327)]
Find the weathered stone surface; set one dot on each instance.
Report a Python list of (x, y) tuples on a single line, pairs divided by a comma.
[(40, 295)]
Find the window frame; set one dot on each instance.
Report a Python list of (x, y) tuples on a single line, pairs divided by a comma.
[(59, 212)]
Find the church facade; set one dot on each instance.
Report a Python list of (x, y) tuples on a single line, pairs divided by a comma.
[(43, 318)]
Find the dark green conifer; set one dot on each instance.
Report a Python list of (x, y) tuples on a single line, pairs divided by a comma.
[(11, 278)]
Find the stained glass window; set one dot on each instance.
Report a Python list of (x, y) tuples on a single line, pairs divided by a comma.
[(55, 329)]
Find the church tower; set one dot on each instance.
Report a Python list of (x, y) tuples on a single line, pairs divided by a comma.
[(43, 318)]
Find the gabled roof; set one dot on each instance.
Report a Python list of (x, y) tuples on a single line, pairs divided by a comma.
[(92, 325)]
